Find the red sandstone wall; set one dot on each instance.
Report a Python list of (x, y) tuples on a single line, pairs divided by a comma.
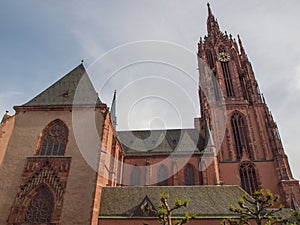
[(175, 178), (81, 182), (267, 179)]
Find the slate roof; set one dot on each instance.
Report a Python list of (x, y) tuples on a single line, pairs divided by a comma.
[(204, 201), (142, 142), (62, 92)]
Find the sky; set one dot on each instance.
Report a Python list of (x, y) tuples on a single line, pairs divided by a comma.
[(43, 40)]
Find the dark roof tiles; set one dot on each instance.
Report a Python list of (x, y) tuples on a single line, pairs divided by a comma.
[(203, 200), (75, 88), (161, 141)]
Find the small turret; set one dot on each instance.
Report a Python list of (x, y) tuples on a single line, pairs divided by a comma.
[(208, 135), (113, 110), (242, 50)]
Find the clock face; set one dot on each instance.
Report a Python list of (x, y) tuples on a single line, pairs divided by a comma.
[(223, 57)]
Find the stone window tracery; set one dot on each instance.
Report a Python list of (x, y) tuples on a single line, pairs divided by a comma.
[(40, 208), (227, 75), (239, 130), (54, 139), (227, 79), (248, 177)]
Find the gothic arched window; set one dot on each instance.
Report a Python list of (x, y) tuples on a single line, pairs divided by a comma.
[(54, 139), (189, 175), (209, 59), (162, 176), (227, 75), (135, 178), (248, 177), (227, 79), (40, 208), (216, 86), (239, 130)]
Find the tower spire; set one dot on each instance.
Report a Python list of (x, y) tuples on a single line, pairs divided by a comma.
[(209, 10), (212, 23)]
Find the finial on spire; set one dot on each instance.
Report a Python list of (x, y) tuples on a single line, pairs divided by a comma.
[(200, 40), (209, 10), (241, 45), (82, 61)]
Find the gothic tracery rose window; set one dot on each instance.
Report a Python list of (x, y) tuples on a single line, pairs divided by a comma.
[(40, 208)]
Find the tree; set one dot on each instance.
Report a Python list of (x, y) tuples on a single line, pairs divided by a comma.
[(164, 211), (258, 208)]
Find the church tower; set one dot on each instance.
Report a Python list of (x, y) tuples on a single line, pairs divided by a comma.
[(250, 153)]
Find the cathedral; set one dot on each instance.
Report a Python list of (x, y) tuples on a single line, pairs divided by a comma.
[(63, 162)]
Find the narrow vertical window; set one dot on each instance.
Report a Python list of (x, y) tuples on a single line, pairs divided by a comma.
[(162, 176), (242, 81), (248, 177), (227, 75), (40, 208), (216, 87), (227, 79), (189, 175), (209, 59), (239, 131), (54, 139), (135, 178)]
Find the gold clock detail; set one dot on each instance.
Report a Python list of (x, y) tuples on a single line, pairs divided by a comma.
[(223, 57)]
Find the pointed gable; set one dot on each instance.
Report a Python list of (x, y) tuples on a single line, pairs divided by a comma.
[(75, 88), (145, 209)]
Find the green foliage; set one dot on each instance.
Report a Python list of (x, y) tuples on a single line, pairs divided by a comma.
[(164, 211), (258, 208)]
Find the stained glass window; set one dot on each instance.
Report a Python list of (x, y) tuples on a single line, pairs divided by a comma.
[(248, 177), (239, 130), (54, 139)]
